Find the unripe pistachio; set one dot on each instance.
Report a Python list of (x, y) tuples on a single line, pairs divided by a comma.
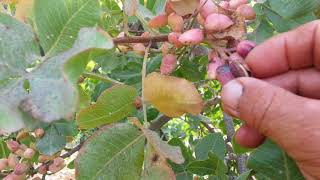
[(235, 57), (12, 176), (3, 164), (137, 103), (207, 7), (217, 22), (13, 160), (246, 11), (244, 47), (234, 4), (42, 169), (165, 48), (36, 178), (168, 64), (13, 146), (201, 20), (224, 4), (212, 55), (212, 68), (39, 132), (22, 134), (238, 69), (28, 153), (173, 38), (23, 146), (158, 21), (224, 74), (58, 161), (175, 22), (20, 169), (19, 152), (44, 158), (139, 48), (54, 169), (192, 37)]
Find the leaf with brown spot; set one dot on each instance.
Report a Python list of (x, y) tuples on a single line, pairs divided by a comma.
[(162, 148), (156, 168), (172, 96)]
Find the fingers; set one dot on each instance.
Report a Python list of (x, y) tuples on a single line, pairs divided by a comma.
[(296, 49), (305, 82), (271, 110), (248, 137)]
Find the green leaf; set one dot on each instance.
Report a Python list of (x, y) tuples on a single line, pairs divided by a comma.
[(282, 25), (262, 32), (58, 22), (293, 8), (244, 176), (202, 167), (113, 105), (273, 163), (213, 142), (113, 152), (51, 142), (186, 152), (66, 128), (184, 176), (4, 151), (46, 101)]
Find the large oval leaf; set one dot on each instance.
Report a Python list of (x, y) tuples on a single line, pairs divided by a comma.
[(45, 100), (59, 21), (273, 163), (114, 152), (113, 105), (171, 95)]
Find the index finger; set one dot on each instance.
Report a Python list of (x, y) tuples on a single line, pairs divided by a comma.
[(296, 49)]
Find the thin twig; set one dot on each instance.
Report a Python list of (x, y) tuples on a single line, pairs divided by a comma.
[(209, 128), (68, 154), (139, 39), (143, 74)]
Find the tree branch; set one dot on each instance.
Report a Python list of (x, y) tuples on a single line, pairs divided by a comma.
[(206, 125), (138, 39), (242, 158), (159, 122)]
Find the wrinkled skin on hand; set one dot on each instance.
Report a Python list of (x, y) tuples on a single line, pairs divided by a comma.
[(282, 102)]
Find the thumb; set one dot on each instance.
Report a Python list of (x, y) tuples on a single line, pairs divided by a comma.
[(273, 111)]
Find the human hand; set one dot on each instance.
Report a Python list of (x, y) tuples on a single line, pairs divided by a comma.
[(285, 104)]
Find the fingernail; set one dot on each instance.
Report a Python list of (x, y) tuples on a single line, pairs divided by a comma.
[(231, 93)]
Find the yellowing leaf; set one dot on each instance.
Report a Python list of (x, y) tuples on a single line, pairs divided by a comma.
[(184, 7), (171, 95), (9, 1), (24, 9)]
